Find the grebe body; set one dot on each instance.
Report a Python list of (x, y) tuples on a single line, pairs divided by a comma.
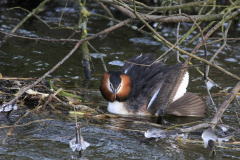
[(150, 90)]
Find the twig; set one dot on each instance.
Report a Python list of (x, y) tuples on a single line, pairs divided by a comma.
[(196, 127), (42, 39), (184, 124), (221, 39), (203, 38), (109, 13), (194, 26), (123, 5), (207, 68), (221, 48), (11, 78), (209, 95), (12, 127), (236, 111), (209, 25), (172, 18), (26, 124), (198, 35), (27, 17), (166, 8), (50, 97), (225, 104), (200, 141), (62, 13), (70, 37), (178, 27), (208, 34), (61, 27), (100, 54), (105, 8)]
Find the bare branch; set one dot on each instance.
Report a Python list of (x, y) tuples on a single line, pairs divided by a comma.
[(165, 8), (225, 104)]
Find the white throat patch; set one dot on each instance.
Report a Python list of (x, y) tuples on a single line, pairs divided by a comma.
[(117, 108)]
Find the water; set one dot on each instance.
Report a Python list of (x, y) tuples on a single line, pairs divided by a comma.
[(49, 135)]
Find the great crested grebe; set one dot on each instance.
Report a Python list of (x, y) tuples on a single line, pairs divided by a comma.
[(150, 90)]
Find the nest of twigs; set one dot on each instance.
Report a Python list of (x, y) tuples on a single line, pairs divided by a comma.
[(45, 94)]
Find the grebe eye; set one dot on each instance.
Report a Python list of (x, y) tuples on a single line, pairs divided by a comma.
[(111, 85)]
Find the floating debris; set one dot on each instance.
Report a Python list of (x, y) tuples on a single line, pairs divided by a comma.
[(224, 127), (208, 135), (32, 92), (185, 135), (210, 85), (226, 139), (8, 108), (82, 146), (158, 133), (155, 133)]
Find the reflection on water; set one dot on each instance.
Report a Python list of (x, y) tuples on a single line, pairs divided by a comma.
[(109, 138), (117, 63)]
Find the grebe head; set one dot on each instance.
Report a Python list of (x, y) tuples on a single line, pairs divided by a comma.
[(116, 86)]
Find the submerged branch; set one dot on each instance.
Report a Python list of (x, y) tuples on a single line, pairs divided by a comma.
[(82, 23)]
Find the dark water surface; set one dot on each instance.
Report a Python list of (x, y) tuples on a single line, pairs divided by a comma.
[(109, 138)]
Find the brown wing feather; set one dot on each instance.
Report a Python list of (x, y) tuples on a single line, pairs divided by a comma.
[(188, 105)]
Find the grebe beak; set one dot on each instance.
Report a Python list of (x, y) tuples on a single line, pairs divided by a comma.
[(115, 93)]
